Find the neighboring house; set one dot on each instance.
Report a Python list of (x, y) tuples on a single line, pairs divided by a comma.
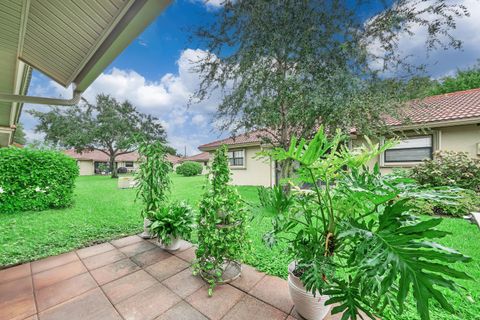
[(89, 161), (246, 167), (202, 158), (444, 122)]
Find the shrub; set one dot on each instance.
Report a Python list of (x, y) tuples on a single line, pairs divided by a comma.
[(465, 202), (189, 168), (449, 168), (122, 170), (35, 179)]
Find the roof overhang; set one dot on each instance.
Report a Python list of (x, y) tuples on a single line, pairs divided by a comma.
[(230, 146), (437, 124), (71, 42)]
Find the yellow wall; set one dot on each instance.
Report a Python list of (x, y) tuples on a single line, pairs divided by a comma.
[(256, 172), (86, 167), (456, 138)]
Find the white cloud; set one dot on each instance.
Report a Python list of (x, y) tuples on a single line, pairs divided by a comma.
[(444, 62), (167, 98), (210, 4)]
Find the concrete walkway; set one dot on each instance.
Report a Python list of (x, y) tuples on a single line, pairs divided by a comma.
[(132, 278)]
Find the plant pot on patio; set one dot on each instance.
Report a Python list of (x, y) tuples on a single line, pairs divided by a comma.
[(308, 306), (230, 270), (174, 244), (146, 234)]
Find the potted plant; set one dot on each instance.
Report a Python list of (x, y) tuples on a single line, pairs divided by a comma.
[(171, 224), (221, 226), (153, 181), (352, 237)]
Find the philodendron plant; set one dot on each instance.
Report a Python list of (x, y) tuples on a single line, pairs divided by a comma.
[(222, 235), (353, 235)]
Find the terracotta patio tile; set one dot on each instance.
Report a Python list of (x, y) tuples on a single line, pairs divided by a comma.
[(34, 317), (149, 257), (114, 271), (187, 255), (14, 273), (123, 242), (16, 299), (102, 259), (136, 248), (92, 305), (167, 268), (248, 279), (57, 274), (253, 309), (274, 291), (184, 283), (182, 311), (148, 304), (215, 307), (63, 291), (52, 262), (129, 285), (94, 250)]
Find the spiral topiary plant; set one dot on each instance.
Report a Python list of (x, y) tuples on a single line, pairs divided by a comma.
[(222, 235)]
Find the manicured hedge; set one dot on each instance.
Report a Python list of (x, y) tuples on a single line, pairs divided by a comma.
[(189, 168), (35, 179)]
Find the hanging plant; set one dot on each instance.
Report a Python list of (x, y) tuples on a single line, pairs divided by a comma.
[(222, 235)]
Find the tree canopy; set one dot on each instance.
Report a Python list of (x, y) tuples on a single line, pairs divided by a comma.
[(287, 66), (462, 80), (109, 126), (19, 136)]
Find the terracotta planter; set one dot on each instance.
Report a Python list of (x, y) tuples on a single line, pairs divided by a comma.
[(308, 306), (174, 244)]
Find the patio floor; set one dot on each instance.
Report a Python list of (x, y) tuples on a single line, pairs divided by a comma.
[(132, 278)]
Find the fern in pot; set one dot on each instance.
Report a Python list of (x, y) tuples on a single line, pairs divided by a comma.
[(221, 227), (353, 239), (152, 181), (171, 224)]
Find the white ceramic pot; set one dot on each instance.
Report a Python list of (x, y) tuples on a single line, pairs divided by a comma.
[(308, 306), (174, 244)]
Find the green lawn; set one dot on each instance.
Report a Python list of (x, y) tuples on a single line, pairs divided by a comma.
[(102, 212)]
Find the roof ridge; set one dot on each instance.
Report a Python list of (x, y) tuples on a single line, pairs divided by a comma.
[(454, 93)]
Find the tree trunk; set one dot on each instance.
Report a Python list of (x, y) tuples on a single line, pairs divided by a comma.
[(286, 171), (113, 167)]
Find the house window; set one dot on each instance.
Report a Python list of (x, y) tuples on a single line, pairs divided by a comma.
[(236, 158), (129, 164), (413, 149)]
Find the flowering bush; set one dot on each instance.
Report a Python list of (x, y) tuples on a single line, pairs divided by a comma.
[(35, 179), (449, 168)]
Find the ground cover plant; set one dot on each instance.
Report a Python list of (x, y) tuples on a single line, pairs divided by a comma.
[(31, 235), (33, 179)]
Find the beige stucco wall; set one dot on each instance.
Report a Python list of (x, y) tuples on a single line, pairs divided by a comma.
[(86, 167), (256, 172), (455, 138)]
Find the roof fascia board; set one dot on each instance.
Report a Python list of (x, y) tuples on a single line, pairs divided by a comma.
[(447, 123), (140, 14), (231, 146)]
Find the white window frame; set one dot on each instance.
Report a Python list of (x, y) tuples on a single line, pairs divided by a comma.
[(435, 136), (244, 165)]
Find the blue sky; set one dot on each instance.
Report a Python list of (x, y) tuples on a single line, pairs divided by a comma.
[(155, 74)]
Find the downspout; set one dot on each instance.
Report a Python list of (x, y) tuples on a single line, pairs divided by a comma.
[(41, 100)]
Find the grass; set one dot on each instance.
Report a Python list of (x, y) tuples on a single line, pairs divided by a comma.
[(103, 212)]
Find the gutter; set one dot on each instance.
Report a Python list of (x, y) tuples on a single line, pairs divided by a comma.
[(42, 100)]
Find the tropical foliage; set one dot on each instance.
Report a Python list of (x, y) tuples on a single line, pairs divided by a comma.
[(172, 221), (222, 236), (35, 179), (153, 179), (189, 168), (353, 235)]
